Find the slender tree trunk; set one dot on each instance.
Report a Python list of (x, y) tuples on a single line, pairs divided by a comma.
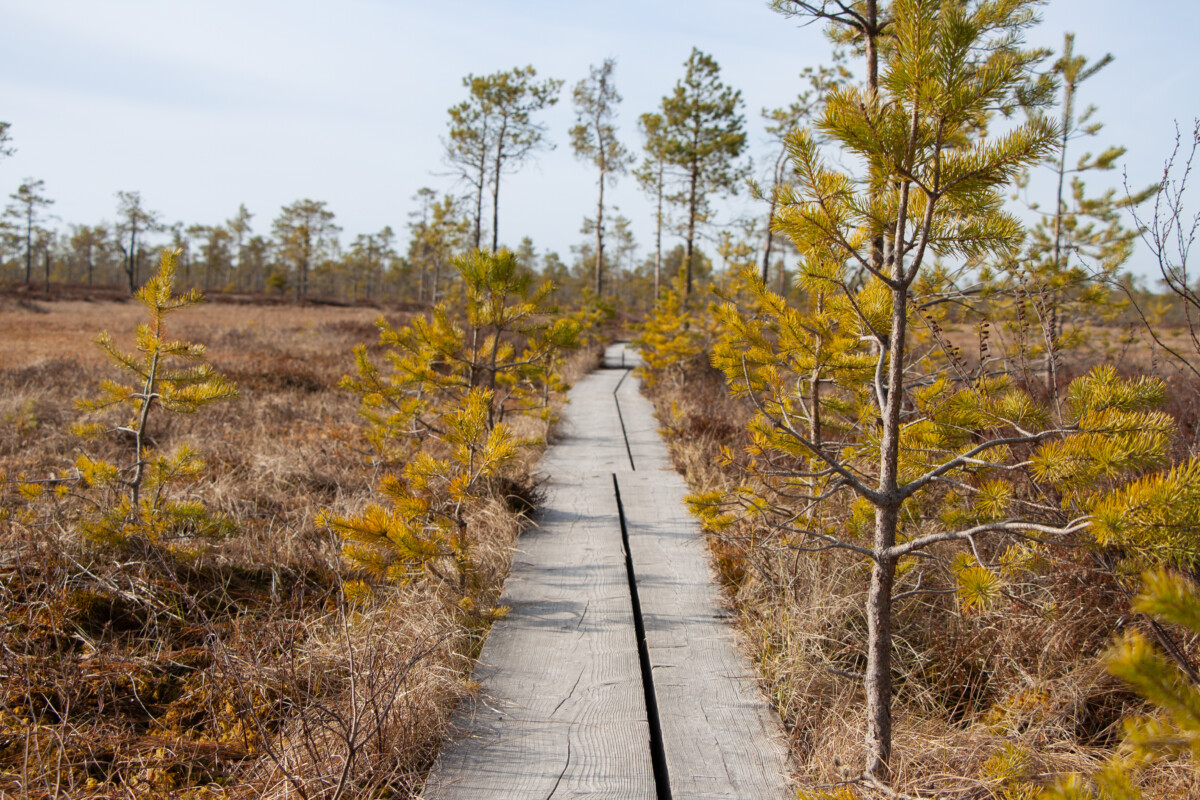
[(878, 683), (91, 265), (780, 160), (691, 229), (237, 275), (28, 243), (131, 259), (496, 212), (814, 419), (46, 267), (437, 281), (870, 33), (658, 226), (135, 483), (424, 269), (478, 233), (479, 187), (600, 237), (872, 49), (766, 258), (499, 162), (1052, 307)]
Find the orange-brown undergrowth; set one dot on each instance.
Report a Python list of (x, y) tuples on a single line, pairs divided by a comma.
[(969, 685), (238, 669)]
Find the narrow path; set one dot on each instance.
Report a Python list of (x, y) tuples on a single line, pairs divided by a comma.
[(616, 674)]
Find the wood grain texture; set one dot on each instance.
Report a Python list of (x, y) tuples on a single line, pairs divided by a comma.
[(722, 740), (648, 450), (589, 438), (561, 710), (721, 737)]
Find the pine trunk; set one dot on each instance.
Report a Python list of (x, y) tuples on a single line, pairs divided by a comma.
[(28, 245), (780, 161), (499, 162), (691, 228), (600, 237), (130, 263), (478, 233), (1052, 322), (496, 208), (878, 679), (658, 226)]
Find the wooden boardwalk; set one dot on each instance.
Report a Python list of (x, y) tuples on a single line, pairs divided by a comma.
[(616, 674)]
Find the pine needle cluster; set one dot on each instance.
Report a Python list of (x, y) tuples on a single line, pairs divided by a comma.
[(671, 338)]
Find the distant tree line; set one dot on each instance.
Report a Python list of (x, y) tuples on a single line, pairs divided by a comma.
[(693, 152)]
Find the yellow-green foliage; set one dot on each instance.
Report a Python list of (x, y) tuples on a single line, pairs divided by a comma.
[(163, 373), (1173, 731), (671, 337), (836, 383), (1156, 517), (502, 339), (441, 412), (1117, 432), (768, 335), (432, 500)]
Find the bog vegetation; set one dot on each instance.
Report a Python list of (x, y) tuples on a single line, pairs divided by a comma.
[(944, 449)]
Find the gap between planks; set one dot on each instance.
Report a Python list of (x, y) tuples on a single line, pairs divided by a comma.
[(566, 704)]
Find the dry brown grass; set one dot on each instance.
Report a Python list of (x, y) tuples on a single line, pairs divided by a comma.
[(237, 670), (968, 685)]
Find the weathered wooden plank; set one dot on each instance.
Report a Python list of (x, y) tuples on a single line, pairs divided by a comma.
[(589, 439), (621, 355), (721, 738), (561, 711), (647, 449)]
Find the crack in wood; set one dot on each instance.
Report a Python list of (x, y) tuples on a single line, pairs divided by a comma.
[(621, 419), (658, 751)]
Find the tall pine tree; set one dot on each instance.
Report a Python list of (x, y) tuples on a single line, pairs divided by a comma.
[(703, 136), (594, 138)]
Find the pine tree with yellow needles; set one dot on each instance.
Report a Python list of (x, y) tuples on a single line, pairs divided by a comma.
[(670, 338), (503, 339), (859, 394), (441, 412), (167, 374), (432, 500)]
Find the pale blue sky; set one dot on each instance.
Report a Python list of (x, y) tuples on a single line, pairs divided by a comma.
[(204, 104)]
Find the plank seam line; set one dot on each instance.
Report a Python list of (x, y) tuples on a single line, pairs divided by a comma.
[(621, 419), (658, 753)]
